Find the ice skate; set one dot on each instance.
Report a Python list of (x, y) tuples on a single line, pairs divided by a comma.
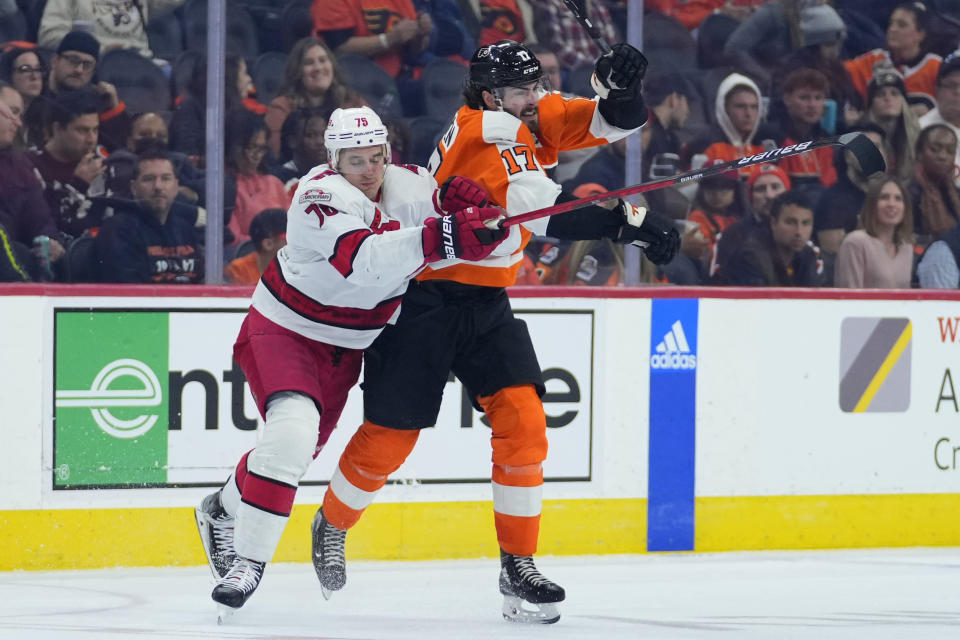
[(235, 588), (328, 558), (216, 534), (522, 584)]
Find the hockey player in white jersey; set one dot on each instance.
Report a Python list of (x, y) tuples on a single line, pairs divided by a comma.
[(358, 229)]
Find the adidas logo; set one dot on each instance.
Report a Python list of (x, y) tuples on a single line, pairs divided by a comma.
[(673, 352)]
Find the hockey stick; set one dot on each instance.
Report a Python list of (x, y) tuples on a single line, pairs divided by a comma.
[(588, 25), (863, 149)]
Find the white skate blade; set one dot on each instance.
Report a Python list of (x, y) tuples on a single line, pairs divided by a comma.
[(327, 593), (224, 613), (204, 539), (515, 611)]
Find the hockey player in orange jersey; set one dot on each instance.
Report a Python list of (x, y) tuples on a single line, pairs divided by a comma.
[(457, 317)]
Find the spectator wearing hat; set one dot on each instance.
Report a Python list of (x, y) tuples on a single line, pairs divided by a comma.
[(906, 52), (823, 33), (800, 111), (766, 182), (836, 212), (780, 252), (72, 68), (948, 103), (117, 24), (887, 107), (767, 36), (268, 233)]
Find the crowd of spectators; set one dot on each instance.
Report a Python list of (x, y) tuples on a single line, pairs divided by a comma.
[(102, 167)]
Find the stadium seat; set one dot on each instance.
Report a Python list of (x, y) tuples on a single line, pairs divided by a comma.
[(182, 71), (13, 27), (81, 260), (578, 80), (443, 87), (165, 35), (241, 31), (140, 83), (267, 75), (295, 23), (667, 44), (373, 83), (426, 132)]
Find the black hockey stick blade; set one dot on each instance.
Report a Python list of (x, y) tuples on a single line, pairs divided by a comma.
[(863, 149), (867, 154), (587, 24)]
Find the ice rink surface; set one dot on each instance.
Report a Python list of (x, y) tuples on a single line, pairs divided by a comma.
[(902, 594)]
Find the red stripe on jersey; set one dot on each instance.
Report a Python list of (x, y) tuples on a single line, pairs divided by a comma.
[(307, 307), (345, 250), (268, 494)]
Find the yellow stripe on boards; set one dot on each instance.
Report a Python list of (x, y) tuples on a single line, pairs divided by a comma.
[(827, 522), (98, 538), (884, 370)]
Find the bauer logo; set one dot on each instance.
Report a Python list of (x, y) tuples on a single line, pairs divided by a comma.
[(673, 351), (875, 364)]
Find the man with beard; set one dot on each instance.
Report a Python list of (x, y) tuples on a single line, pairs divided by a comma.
[(506, 134), (152, 239), (73, 68)]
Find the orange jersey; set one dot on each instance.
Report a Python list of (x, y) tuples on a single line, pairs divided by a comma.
[(920, 79), (499, 151), (364, 18)]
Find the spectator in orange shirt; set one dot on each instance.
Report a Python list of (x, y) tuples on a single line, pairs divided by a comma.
[(800, 112), (906, 51), (268, 233)]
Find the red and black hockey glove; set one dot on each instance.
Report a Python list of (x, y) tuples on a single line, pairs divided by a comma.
[(459, 193), (618, 73), (656, 234), (470, 234)]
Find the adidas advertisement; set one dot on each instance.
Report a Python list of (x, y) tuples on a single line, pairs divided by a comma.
[(152, 398), (673, 398), (673, 351)]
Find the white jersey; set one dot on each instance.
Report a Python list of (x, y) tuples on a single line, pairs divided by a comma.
[(348, 260)]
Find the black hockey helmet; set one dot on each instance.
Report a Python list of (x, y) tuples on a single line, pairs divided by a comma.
[(503, 64)]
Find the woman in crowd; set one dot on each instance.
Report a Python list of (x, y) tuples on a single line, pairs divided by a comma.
[(187, 126), (879, 255), (25, 72), (311, 79), (887, 107), (906, 51), (933, 194), (246, 150)]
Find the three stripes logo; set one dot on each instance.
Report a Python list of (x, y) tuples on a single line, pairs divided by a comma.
[(875, 364), (673, 352)]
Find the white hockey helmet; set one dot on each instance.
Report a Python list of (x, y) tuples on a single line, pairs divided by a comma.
[(354, 129)]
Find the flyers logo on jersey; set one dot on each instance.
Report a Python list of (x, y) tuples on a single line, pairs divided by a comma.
[(314, 195)]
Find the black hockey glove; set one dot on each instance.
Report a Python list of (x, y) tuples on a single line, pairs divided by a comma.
[(655, 233), (618, 74)]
